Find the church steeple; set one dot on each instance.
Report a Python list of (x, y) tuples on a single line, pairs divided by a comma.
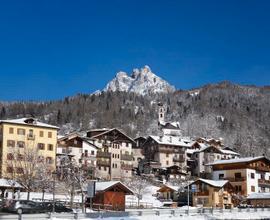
[(161, 113)]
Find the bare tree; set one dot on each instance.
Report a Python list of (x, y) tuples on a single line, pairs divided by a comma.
[(28, 167), (138, 185)]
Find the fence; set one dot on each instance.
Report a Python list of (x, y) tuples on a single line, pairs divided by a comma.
[(208, 213)]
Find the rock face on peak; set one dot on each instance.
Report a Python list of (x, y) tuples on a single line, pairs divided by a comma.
[(142, 81)]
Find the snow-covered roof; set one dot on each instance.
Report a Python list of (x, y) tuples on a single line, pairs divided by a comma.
[(107, 131), (172, 140), (259, 196), (238, 160), (229, 152), (26, 121), (9, 183), (102, 186), (174, 188), (215, 183)]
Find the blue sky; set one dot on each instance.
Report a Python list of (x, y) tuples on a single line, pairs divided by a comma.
[(52, 49)]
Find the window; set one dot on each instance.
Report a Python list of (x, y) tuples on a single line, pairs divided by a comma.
[(31, 133), (252, 188), (20, 157), (49, 134), (167, 162), (10, 156), (237, 175), (105, 168), (19, 170), (238, 188), (252, 175), (50, 147), (10, 143), (9, 169), (113, 165), (41, 146), (92, 152), (167, 155), (221, 176), (118, 156), (41, 133), (75, 142), (20, 144), (11, 130), (21, 131), (263, 176), (99, 167), (49, 160)]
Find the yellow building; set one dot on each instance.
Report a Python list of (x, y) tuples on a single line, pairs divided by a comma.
[(212, 193), (18, 136)]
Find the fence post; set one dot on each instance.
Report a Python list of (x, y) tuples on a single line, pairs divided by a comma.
[(75, 215), (173, 212)]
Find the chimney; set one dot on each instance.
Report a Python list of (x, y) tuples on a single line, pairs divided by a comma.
[(160, 138)]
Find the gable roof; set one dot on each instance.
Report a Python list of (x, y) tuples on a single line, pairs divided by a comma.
[(214, 183), (238, 160), (105, 186), (9, 183), (116, 129), (26, 121), (172, 140), (165, 186)]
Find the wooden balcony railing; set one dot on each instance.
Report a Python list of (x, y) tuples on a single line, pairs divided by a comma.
[(264, 182), (103, 154), (202, 193), (126, 166), (127, 157), (179, 159), (103, 163), (235, 179)]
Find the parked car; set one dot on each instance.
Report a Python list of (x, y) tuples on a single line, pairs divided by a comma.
[(23, 206), (59, 207)]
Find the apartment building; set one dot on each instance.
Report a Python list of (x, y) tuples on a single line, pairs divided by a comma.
[(77, 149), (247, 175), (18, 136), (212, 193), (114, 157), (208, 154), (167, 151)]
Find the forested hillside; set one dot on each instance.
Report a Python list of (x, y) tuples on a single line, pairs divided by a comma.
[(238, 114)]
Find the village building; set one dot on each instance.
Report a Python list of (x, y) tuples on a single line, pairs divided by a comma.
[(110, 195), (77, 149), (208, 154), (210, 141), (247, 175), (167, 151), (169, 195), (259, 199), (212, 193), (23, 135), (137, 152), (114, 157)]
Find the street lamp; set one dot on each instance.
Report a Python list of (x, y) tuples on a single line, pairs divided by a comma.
[(54, 176)]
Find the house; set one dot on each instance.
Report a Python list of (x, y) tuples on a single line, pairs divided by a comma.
[(19, 137), (79, 150), (110, 195), (114, 157), (167, 151), (137, 151), (172, 173), (168, 192), (210, 141), (259, 199), (247, 175), (208, 154), (212, 193)]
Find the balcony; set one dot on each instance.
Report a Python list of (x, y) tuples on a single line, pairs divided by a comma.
[(235, 179), (103, 163), (202, 193), (126, 166), (263, 182), (261, 168), (31, 137), (103, 154), (87, 156), (179, 159), (127, 157)]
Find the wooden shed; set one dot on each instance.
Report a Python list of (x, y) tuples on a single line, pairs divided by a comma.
[(111, 195)]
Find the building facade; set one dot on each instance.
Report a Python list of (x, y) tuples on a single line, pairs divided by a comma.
[(114, 157), (19, 137), (247, 175)]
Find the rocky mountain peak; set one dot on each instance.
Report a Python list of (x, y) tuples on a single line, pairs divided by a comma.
[(141, 81)]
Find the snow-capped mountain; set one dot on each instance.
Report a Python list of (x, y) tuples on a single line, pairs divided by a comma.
[(142, 81)]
